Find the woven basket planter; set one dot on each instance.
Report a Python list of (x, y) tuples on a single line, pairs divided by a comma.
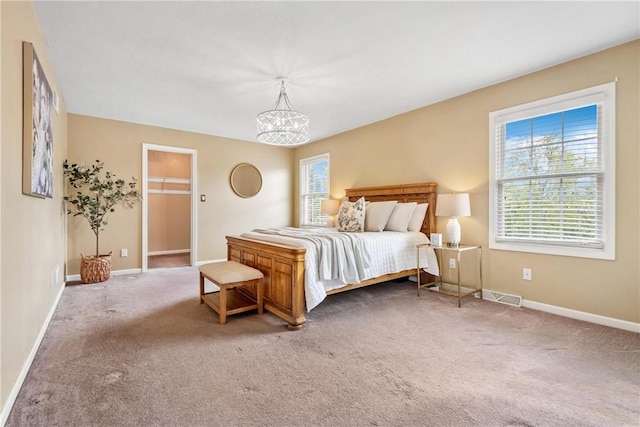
[(95, 269)]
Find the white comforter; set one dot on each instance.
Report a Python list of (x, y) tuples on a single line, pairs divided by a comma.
[(334, 259)]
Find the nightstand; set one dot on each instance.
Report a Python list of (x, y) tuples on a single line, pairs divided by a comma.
[(458, 290)]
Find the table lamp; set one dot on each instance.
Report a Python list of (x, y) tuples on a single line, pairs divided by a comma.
[(453, 205), (330, 208)]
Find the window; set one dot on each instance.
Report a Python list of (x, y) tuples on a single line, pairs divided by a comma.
[(552, 177), (314, 187)]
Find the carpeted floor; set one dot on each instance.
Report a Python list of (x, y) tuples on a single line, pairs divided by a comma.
[(140, 351), (169, 261)]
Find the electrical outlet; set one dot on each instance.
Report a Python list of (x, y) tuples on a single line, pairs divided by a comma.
[(526, 273), (452, 263), (124, 253)]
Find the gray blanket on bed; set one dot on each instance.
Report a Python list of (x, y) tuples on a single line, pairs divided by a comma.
[(341, 255)]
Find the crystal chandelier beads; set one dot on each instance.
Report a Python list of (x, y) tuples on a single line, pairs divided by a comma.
[(282, 125)]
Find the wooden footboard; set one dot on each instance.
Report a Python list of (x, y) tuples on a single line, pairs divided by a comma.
[(283, 269)]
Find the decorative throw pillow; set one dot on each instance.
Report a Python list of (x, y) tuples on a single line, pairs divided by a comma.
[(400, 217), (377, 215), (351, 216), (417, 217)]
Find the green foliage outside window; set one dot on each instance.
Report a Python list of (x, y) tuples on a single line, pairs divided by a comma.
[(548, 203)]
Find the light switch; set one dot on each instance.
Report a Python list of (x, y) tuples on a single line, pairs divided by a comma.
[(203, 198)]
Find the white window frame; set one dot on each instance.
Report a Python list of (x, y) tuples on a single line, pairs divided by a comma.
[(306, 162), (604, 96)]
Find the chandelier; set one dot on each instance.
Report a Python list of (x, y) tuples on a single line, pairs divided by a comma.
[(282, 125)]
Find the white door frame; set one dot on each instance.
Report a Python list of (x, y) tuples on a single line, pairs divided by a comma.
[(194, 198)]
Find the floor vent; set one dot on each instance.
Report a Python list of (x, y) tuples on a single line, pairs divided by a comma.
[(508, 299)]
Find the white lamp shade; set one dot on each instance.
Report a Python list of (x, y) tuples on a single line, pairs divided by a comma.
[(329, 207), (453, 205)]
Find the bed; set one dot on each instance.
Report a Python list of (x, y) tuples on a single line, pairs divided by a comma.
[(283, 264)]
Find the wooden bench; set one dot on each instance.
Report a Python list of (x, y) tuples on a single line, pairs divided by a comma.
[(229, 275)]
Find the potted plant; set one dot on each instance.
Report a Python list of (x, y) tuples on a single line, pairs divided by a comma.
[(98, 194)]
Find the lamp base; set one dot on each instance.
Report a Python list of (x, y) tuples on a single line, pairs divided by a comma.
[(452, 233), (331, 223)]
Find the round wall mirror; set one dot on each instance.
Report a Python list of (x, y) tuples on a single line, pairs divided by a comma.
[(246, 180)]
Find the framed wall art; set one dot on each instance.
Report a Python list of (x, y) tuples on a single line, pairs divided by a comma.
[(37, 144)]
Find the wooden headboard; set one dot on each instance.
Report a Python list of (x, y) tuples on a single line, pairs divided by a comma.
[(424, 192)]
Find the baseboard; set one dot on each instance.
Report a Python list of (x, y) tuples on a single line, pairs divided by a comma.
[(170, 252), (76, 277), (6, 410), (573, 314), (581, 315)]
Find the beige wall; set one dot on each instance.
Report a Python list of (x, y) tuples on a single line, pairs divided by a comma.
[(33, 230), (169, 215), (162, 164), (119, 145), (169, 220), (448, 143)]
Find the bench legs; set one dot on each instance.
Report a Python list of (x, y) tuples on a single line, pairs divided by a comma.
[(201, 288), (239, 302), (222, 313), (260, 295)]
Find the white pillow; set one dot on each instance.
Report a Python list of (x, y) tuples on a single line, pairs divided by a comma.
[(400, 217), (377, 215), (351, 216), (417, 217)]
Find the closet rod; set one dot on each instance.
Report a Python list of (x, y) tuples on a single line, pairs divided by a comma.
[(153, 191), (169, 180)]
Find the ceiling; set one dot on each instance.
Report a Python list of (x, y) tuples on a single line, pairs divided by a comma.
[(211, 67)]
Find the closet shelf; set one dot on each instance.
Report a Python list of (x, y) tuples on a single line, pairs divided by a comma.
[(154, 191), (175, 185), (169, 180)]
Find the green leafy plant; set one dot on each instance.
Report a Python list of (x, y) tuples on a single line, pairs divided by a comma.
[(99, 192)]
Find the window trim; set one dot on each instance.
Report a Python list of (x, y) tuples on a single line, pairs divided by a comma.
[(603, 95), (303, 162)]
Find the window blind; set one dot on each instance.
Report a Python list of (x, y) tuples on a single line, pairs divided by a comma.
[(552, 186), (549, 177), (314, 187)]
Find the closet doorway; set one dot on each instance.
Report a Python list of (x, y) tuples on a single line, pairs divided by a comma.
[(169, 206)]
